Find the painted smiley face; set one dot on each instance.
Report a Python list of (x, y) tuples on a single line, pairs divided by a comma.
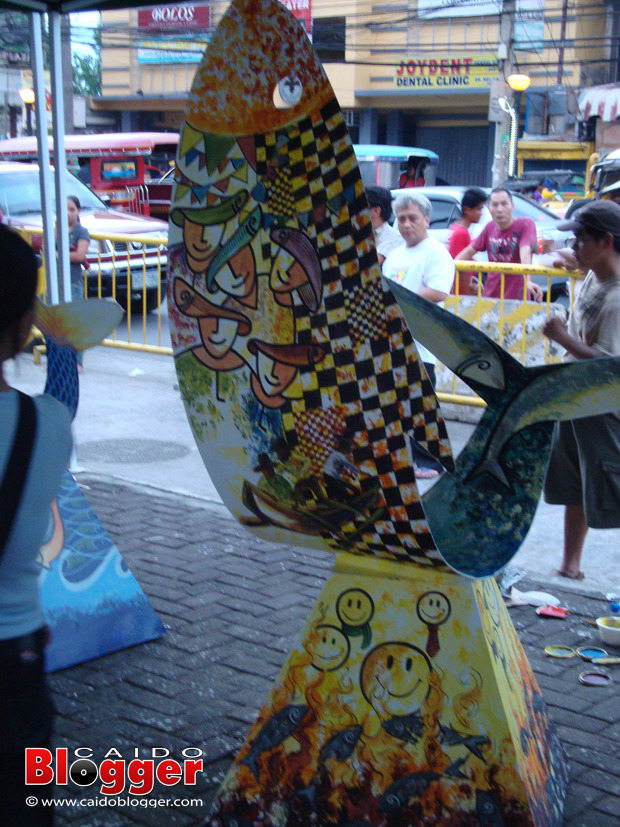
[(397, 671), (355, 607), (433, 608), (330, 649)]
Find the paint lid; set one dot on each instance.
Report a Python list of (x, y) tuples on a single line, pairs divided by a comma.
[(595, 679), (591, 652), (558, 651)]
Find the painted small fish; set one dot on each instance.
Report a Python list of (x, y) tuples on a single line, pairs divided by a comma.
[(405, 727), (277, 728), (487, 810), (338, 748), (451, 738), (454, 770), (341, 745), (402, 791)]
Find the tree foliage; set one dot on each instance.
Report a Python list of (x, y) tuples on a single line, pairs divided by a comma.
[(86, 74), (14, 32)]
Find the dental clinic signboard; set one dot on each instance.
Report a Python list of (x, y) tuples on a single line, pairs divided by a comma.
[(173, 34), (446, 73)]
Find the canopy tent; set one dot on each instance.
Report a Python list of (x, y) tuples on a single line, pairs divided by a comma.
[(54, 8), (600, 101)]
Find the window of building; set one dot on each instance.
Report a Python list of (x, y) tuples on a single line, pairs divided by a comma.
[(328, 38)]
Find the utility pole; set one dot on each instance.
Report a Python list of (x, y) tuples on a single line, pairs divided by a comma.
[(502, 127), (67, 73), (560, 74)]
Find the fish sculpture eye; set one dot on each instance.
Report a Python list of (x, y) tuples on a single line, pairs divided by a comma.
[(290, 89), (486, 371)]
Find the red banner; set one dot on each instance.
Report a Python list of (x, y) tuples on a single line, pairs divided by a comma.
[(196, 16), (302, 10)]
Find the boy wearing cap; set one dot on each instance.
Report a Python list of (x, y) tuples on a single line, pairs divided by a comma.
[(584, 468)]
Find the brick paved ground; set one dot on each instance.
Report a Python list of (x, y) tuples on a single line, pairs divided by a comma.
[(232, 605)]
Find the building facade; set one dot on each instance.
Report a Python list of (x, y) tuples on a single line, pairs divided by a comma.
[(424, 73)]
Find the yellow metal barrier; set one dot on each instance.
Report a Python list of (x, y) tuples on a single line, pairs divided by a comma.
[(515, 324), (126, 264), (138, 261)]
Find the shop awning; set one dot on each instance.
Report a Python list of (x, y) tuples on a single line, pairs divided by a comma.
[(600, 101)]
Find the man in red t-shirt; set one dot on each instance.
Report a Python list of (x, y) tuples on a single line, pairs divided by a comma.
[(472, 204), (508, 240)]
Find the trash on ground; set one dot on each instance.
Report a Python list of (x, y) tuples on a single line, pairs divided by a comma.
[(552, 611), (508, 576), (135, 372), (612, 660), (540, 599)]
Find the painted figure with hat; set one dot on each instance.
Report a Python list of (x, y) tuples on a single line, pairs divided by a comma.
[(297, 468), (272, 483), (584, 471)]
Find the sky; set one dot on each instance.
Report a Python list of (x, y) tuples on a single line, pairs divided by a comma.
[(80, 25)]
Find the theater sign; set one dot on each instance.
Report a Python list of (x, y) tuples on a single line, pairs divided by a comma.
[(446, 73)]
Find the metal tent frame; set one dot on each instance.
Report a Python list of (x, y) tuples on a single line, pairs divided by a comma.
[(56, 183)]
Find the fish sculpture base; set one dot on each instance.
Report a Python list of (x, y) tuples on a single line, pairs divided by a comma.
[(92, 603), (408, 700)]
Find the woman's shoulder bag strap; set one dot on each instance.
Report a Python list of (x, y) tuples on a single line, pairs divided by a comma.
[(14, 479)]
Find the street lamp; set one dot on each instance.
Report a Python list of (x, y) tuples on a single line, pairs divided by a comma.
[(505, 106), (518, 83), (27, 96)]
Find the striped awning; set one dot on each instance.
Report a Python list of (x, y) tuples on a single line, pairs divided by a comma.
[(600, 101)]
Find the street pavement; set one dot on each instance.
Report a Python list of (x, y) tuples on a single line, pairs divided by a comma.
[(232, 605)]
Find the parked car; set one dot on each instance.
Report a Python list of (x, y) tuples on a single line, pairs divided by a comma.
[(446, 203), (20, 203)]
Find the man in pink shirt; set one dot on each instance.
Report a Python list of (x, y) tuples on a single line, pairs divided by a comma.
[(508, 240)]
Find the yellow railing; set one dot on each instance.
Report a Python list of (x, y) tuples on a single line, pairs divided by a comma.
[(139, 257), (132, 268), (515, 324)]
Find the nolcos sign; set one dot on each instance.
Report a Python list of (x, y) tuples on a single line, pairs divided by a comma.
[(196, 16), (446, 72)]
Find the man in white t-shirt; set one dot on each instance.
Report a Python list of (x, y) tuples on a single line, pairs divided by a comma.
[(424, 266)]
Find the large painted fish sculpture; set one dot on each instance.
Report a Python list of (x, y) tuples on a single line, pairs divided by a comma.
[(300, 378), (500, 473)]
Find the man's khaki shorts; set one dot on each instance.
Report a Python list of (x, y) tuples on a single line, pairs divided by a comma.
[(584, 468)]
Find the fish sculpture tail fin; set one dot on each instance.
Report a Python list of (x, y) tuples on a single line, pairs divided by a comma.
[(454, 770), (492, 467), (78, 325), (250, 761)]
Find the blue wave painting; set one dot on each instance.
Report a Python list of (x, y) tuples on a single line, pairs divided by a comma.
[(92, 602)]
